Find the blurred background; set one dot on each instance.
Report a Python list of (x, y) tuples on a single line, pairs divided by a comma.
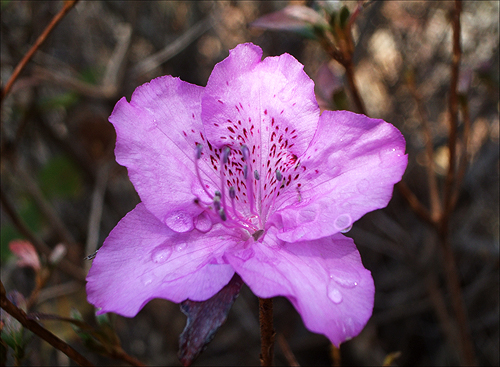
[(61, 185)]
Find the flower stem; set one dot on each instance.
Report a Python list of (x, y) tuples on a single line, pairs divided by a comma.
[(266, 331)]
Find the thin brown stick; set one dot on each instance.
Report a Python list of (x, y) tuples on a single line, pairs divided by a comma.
[(121, 355), (65, 265), (287, 351), (414, 203), (453, 108), (68, 5), (266, 331), (435, 202), (464, 158), (448, 259), (39, 330)]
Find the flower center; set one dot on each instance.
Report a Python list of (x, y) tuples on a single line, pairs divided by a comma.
[(234, 205)]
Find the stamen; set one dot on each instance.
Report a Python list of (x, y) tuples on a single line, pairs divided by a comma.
[(279, 177), (222, 214), (197, 156), (256, 175), (224, 159)]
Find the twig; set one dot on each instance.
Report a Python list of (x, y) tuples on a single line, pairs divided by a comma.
[(112, 77), (285, 348), (65, 265), (39, 330), (414, 203), (266, 331), (453, 108), (449, 264), (96, 209), (465, 157), (68, 4), (172, 49), (435, 202)]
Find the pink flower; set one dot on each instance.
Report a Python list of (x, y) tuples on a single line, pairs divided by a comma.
[(245, 176)]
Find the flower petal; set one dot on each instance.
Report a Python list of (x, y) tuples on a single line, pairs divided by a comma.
[(324, 279), (143, 259), (349, 170), (157, 134), (268, 105)]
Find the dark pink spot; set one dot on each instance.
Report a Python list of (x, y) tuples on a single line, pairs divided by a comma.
[(265, 112), (220, 101)]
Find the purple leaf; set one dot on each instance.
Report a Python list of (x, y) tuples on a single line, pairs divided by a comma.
[(204, 319)]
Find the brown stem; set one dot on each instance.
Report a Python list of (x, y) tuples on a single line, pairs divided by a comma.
[(450, 268), (464, 158), (435, 202), (285, 348), (266, 331), (349, 70), (126, 358), (68, 4), (453, 109), (39, 330), (453, 284), (414, 203)]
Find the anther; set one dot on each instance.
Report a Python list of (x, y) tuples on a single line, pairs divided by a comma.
[(245, 171), (222, 214), (225, 154), (198, 150), (217, 203), (245, 152), (256, 175), (279, 177), (232, 192)]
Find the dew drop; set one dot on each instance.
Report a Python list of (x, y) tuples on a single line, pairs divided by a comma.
[(203, 223), (346, 229), (334, 294), (347, 278), (179, 221), (161, 254), (180, 246), (343, 222), (363, 186), (146, 279)]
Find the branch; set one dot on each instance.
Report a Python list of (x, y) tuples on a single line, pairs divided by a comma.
[(68, 4), (266, 331), (39, 330)]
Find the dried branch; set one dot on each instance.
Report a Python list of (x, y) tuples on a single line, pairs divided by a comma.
[(435, 202), (266, 331), (172, 49), (285, 348), (68, 5), (39, 330)]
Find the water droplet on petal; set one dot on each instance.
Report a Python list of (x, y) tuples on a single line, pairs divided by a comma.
[(389, 156), (347, 278), (203, 223), (334, 293), (343, 222), (179, 221), (347, 229), (147, 279), (161, 254), (363, 186), (180, 246)]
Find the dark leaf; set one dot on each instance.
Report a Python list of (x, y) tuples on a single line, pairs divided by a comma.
[(204, 319)]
